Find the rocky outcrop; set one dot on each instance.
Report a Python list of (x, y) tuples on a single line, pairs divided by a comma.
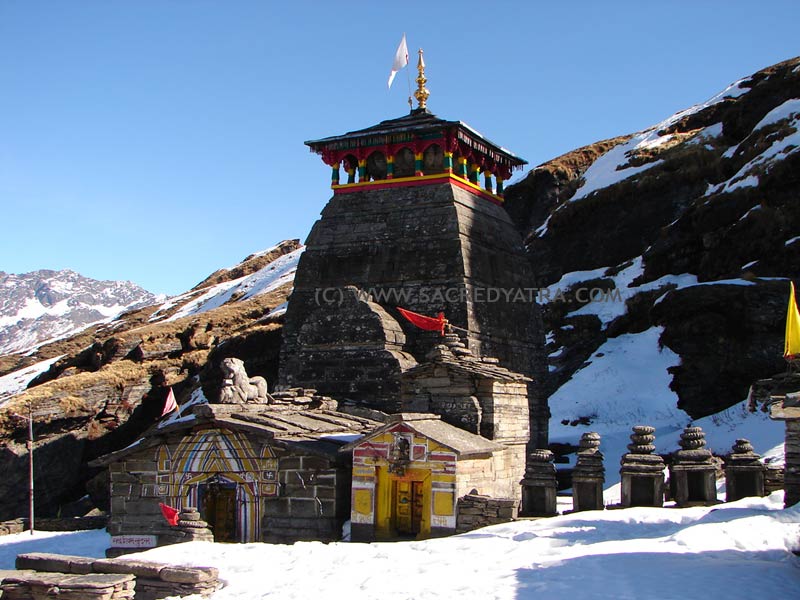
[(693, 223)]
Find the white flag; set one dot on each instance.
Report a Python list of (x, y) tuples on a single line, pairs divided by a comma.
[(170, 404), (400, 59)]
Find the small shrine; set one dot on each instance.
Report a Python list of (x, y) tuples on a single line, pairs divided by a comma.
[(539, 486), (642, 472), (693, 473), (409, 474), (266, 473), (744, 472), (588, 475)]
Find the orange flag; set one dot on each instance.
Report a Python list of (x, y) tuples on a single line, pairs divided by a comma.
[(423, 322), (170, 514)]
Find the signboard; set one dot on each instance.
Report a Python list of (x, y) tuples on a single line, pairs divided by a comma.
[(133, 541)]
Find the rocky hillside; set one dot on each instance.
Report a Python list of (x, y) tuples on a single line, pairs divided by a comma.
[(44, 305), (98, 390), (689, 229)]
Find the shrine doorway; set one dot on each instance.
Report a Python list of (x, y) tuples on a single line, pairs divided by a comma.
[(218, 509)]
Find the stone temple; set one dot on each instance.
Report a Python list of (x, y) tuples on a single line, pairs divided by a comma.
[(418, 223)]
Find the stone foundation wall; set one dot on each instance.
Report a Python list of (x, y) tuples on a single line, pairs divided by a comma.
[(476, 511), (497, 477), (791, 482), (313, 504)]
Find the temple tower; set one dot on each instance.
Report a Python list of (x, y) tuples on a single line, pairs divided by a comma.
[(416, 221)]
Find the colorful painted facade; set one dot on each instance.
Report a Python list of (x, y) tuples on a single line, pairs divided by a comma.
[(409, 474), (255, 473)]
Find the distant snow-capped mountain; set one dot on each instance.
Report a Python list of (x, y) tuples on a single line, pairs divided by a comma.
[(42, 305)]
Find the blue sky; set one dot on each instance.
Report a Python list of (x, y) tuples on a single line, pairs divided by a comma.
[(159, 140)]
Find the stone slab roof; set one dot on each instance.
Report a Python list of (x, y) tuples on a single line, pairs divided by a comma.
[(466, 363), (785, 407), (463, 443), (316, 430)]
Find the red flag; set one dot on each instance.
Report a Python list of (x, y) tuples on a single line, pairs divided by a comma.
[(170, 514), (423, 322), (170, 404)]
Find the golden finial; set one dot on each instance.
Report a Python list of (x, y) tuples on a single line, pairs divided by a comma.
[(422, 92)]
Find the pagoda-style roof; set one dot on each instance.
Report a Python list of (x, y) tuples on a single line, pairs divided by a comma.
[(421, 124), (417, 149)]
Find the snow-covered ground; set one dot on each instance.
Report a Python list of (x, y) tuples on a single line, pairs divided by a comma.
[(272, 276), (732, 551), (626, 383)]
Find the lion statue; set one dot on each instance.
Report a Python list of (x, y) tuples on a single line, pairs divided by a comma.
[(238, 388)]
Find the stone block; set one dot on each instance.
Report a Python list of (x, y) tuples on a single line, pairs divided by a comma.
[(188, 574)]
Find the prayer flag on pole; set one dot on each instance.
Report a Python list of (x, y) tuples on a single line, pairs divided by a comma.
[(170, 404), (423, 322), (791, 347), (400, 59)]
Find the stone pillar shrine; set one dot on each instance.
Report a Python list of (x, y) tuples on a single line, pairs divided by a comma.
[(588, 475), (744, 472), (642, 472), (539, 486), (692, 473)]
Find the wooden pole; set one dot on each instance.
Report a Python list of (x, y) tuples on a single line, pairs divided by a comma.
[(30, 465)]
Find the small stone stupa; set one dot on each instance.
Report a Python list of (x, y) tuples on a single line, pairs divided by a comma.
[(744, 472), (588, 475), (539, 486), (693, 472), (642, 472)]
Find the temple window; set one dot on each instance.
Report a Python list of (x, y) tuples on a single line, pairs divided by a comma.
[(404, 163), (376, 166), (433, 160)]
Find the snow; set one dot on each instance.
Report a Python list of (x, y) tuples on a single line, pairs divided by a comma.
[(82, 543), (791, 241), (610, 168), (15, 382), (278, 310), (608, 305), (740, 550), (752, 210), (277, 273), (626, 383), (788, 110), (628, 386), (707, 133), (778, 149)]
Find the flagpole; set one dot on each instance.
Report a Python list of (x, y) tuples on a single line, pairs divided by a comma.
[(30, 464), (408, 79)]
